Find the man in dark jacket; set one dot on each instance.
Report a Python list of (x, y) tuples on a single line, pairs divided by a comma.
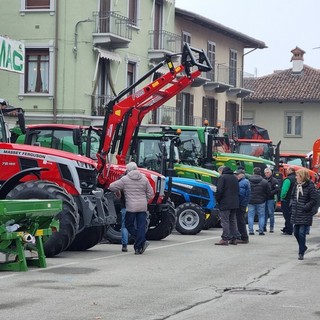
[(270, 203), (285, 196), (260, 192), (227, 196), (244, 196)]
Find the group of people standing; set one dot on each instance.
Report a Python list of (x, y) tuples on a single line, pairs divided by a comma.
[(236, 194)]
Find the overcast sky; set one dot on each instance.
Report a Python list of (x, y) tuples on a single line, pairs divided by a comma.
[(280, 24)]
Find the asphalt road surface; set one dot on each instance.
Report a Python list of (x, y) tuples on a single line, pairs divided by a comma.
[(178, 278)]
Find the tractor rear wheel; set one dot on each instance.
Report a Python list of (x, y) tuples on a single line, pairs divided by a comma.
[(161, 224), (68, 217), (89, 236), (190, 218)]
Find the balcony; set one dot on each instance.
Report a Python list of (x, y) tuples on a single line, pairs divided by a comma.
[(111, 30), (226, 79), (171, 116), (218, 79), (162, 43)]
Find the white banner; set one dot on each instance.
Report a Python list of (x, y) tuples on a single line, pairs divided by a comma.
[(11, 55)]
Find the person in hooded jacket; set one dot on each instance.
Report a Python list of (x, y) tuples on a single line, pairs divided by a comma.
[(260, 192), (137, 192), (227, 197), (303, 201)]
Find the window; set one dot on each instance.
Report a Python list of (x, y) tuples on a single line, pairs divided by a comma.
[(231, 116), (212, 59), (233, 67), (37, 5), (293, 122), (37, 71), (210, 111), (185, 109), (186, 38), (133, 12), (131, 75), (248, 117)]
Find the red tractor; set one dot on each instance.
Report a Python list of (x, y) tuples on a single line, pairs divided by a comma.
[(122, 119)]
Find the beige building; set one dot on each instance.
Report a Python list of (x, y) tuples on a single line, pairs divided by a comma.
[(217, 95), (287, 103)]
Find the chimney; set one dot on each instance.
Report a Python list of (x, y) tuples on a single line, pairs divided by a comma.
[(297, 60)]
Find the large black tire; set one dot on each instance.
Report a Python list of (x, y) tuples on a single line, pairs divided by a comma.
[(190, 218), (213, 221), (90, 236), (161, 224), (68, 217), (87, 238)]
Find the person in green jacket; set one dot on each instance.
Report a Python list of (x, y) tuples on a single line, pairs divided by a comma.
[(285, 196)]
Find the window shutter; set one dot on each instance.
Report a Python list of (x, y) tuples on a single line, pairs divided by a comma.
[(179, 109)]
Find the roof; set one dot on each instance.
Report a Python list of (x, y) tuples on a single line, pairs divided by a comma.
[(247, 41), (285, 86)]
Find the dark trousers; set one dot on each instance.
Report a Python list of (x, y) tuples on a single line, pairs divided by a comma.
[(241, 222), (229, 224), (300, 235), (136, 223), (286, 211)]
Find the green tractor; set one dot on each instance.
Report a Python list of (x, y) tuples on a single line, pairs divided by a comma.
[(203, 146)]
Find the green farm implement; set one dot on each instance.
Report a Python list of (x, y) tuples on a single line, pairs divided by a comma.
[(23, 225)]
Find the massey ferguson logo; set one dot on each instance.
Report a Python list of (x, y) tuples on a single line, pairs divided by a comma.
[(23, 154)]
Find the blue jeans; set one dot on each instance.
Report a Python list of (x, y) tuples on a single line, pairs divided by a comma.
[(124, 231), (269, 213), (299, 231), (138, 232), (252, 210)]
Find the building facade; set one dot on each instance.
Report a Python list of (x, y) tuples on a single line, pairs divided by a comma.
[(81, 54), (287, 103)]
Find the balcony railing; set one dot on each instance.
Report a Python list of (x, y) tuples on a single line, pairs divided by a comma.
[(164, 41), (171, 116), (113, 23)]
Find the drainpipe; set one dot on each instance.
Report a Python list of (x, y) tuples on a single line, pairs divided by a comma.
[(75, 46), (54, 103), (241, 114)]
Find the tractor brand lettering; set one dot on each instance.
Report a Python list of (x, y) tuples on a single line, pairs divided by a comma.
[(11, 55), (23, 154)]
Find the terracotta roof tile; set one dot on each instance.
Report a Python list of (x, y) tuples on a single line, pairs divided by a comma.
[(285, 86)]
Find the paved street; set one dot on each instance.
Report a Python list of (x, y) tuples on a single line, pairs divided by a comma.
[(179, 278)]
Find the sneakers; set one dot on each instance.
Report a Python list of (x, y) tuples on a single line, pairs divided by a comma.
[(271, 231), (261, 233), (222, 243), (145, 246), (300, 256), (251, 233), (136, 251), (124, 248), (233, 241)]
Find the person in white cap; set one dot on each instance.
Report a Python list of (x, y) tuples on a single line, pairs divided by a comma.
[(137, 192)]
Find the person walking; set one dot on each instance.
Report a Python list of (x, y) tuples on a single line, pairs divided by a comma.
[(303, 201), (271, 201), (244, 196), (260, 192), (137, 191), (285, 195), (227, 197)]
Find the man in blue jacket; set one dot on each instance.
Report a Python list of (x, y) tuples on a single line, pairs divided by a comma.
[(244, 196), (227, 196)]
